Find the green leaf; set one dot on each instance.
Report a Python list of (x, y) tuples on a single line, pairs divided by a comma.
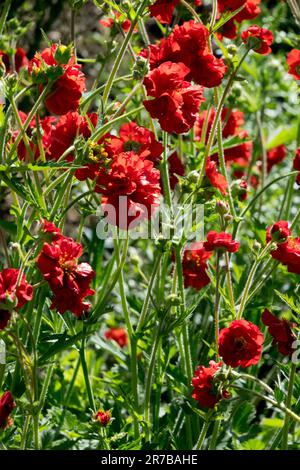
[(243, 414), (284, 135)]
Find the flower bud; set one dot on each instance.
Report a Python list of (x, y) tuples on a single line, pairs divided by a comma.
[(140, 68), (103, 417), (63, 54)]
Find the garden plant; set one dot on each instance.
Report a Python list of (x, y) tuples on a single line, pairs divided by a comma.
[(149, 222)]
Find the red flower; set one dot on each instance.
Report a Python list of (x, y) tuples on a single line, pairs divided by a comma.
[(118, 335), (264, 39), (20, 60), (249, 12), (205, 392), (14, 293), (194, 266), (276, 155), (281, 331), (232, 120), (221, 241), (175, 168), (68, 88), (288, 254), (278, 232), (137, 139), (176, 102), (163, 10), (131, 190), (296, 164), (69, 281), (7, 404), (293, 61), (188, 45), (241, 344), (217, 180), (103, 417)]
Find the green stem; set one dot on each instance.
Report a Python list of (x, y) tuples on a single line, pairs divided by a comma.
[(217, 304), (202, 435), (4, 14), (149, 380), (288, 403), (86, 375), (121, 53), (215, 434)]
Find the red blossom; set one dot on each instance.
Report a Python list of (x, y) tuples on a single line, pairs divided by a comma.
[(222, 240), (175, 101), (194, 266), (296, 164), (241, 344), (175, 168), (216, 179), (69, 281), (7, 404), (15, 292), (205, 392), (293, 62), (137, 139), (281, 331), (103, 417), (67, 90), (163, 10), (278, 232), (276, 155), (118, 335), (264, 39), (130, 189), (20, 60)]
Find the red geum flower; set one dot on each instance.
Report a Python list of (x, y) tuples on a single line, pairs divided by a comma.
[(14, 293), (221, 241), (130, 188), (194, 266), (7, 405), (262, 41), (137, 139), (163, 10), (67, 90), (288, 254), (241, 344), (275, 155), (188, 45), (62, 136), (50, 227), (296, 164), (20, 60), (118, 335), (69, 281), (232, 120), (216, 179), (205, 392), (293, 62), (103, 417), (176, 102), (278, 232), (281, 331), (175, 168), (230, 5)]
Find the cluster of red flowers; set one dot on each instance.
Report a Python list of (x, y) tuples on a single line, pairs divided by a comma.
[(68, 279), (57, 65), (7, 405), (196, 254), (15, 292), (287, 251), (237, 157), (250, 11), (176, 61)]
